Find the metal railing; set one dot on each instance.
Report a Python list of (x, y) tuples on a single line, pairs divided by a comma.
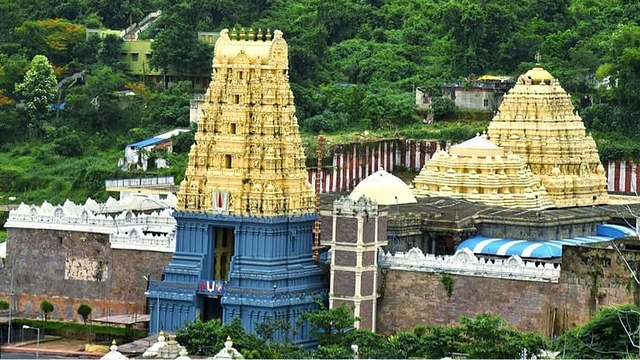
[(136, 182)]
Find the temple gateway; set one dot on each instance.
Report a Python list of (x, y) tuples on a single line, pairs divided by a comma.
[(246, 209)]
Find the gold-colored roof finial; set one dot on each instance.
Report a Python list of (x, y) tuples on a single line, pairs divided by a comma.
[(260, 37), (537, 57), (251, 34), (268, 37), (242, 34), (234, 34)]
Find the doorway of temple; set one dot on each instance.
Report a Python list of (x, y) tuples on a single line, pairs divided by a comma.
[(212, 309), (224, 244)]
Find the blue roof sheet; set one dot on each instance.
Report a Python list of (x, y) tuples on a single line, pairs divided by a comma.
[(147, 142), (540, 249)]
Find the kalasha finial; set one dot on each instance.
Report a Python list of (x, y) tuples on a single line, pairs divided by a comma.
[(268, 35), (537, 57), (260, 38), (251, 38), (234, 34)]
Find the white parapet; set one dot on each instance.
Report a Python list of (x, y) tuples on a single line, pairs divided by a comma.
[(136, 239), (153, 231), (464, 262)]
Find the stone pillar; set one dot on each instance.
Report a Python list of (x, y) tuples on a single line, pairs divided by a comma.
[(354, 261)]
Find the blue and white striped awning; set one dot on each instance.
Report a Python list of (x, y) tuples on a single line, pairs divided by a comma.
[(540, 249)]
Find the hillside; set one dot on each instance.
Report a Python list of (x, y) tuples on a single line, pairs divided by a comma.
[(353, 67)]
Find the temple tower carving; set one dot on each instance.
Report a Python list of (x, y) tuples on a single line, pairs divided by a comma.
[(247, 158), (244, 231), (537, 121)]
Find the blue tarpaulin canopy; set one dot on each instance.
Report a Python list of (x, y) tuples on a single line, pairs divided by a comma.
[(541, 249), (147, 142)]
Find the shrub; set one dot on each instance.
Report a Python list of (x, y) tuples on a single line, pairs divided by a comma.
[(69, 146), (442, 108), (84, 311), (4, 304), (183, 141), (47, 308)]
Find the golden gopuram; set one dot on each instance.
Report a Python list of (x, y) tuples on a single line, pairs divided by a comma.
[(247, 157), (549, 158)]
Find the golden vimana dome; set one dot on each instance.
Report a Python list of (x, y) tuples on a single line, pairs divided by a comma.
[(480, 171), (247, 157), (537, 122)]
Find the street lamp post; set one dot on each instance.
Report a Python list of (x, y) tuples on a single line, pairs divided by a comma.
[(37, 340)]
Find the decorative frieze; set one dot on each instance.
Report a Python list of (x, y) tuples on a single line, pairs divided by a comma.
[(126, 229), (464, 262), (361, 207)]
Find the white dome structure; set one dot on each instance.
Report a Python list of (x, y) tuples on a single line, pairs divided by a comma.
[(383, 188)]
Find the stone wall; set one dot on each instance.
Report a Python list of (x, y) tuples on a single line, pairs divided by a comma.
[(71, 268), (412, 298)]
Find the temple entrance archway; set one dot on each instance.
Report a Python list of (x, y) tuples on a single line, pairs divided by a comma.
[(211, 308)]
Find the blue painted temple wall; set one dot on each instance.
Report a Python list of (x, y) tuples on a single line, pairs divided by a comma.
[(271, 274)]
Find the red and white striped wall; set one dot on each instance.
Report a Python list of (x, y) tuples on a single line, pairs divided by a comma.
[(354, 162), (623, 176)]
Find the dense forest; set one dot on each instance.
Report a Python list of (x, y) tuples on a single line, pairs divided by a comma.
[(354, 65)]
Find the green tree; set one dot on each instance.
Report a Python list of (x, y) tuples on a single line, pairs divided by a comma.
[(47, 308), (611, 333), (69, 145), (84, 311), (176, 48), (99, 105), (85, 53), (11, 16), (621, 72), (12, 70), (207, 338), (169, 108), (38, 90), (442, 108), (487, 337), (120, 14), (110, 53), (330, 325), (54, 38)]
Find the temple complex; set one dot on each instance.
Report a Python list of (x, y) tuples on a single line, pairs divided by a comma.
[(535, 155), (246, 209), (518, 217)]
